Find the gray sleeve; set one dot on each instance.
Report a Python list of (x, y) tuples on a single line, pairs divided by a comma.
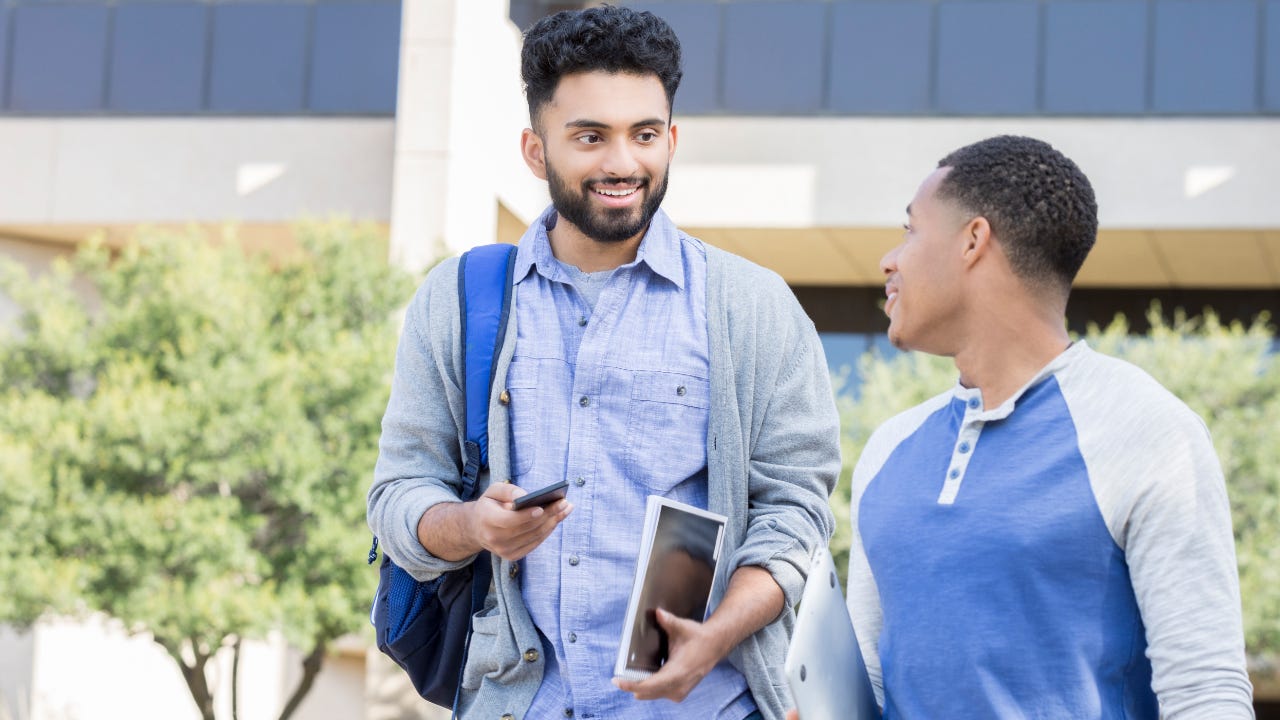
[(1166, 507), (419, 452), (794, 440)]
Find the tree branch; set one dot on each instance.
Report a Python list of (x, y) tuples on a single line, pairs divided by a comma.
[(310, 669)]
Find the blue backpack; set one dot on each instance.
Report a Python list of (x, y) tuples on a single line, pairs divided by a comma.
[(426, 626)]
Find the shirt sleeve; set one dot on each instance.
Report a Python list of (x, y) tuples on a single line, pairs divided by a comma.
[(1161, 490)]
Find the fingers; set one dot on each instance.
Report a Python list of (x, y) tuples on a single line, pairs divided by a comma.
[(512, 534), (683, 670)]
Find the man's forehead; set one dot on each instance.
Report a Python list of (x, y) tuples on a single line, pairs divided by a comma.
[(620, 98)]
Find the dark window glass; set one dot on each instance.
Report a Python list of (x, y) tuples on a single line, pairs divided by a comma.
[(259, 53), (158, 57), (1205, 56), (59, 58), (881, 53), (774, 56), (355, 54), (1095, 56), (698, 26), (987, 55)]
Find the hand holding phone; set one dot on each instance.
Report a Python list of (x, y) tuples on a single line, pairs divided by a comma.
[(542, 497)]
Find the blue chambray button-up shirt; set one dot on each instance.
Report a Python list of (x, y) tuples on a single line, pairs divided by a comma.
[(614, 398)]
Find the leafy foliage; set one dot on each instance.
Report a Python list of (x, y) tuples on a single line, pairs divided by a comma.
[(185, 444), (1226, 373)]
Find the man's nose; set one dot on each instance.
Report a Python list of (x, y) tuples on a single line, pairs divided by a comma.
[(889, 263), (620, 161)]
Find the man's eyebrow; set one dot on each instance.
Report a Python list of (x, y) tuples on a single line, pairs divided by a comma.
[(587, 123)]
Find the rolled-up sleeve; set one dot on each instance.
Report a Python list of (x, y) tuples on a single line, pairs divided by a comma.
[(794, 464), (419, 453)]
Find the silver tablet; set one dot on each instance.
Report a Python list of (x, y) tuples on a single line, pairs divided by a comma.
[(824, 664)]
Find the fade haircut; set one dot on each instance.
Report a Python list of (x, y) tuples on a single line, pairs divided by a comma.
[(605, 38), (1040, 205)]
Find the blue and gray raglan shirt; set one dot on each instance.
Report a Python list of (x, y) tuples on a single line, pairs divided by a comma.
[(1067, 554)]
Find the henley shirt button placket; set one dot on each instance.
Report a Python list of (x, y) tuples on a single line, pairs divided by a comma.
[(964, 447), (974, 403)]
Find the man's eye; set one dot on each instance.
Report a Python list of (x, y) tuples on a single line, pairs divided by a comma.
[(590, 139), (647, 136)]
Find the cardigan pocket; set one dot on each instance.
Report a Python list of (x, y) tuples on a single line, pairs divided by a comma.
[(493, 648)]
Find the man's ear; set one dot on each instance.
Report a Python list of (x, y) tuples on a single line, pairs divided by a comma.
[(977, 241), (671, 151), (534, 153)]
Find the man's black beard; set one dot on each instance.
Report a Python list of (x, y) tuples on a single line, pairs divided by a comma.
[(609, 225)]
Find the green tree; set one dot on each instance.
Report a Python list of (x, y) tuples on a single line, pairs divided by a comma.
[(1226, 373), (188, 449)]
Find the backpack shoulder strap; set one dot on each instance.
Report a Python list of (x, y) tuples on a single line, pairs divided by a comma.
[(484, 295)]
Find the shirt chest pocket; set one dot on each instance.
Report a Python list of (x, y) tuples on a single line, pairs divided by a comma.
[(667, 429), (522, 386)]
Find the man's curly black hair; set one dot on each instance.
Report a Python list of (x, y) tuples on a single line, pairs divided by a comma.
[(608, 38), (1040, 205)]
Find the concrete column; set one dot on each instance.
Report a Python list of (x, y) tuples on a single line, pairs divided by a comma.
[(458, 120)]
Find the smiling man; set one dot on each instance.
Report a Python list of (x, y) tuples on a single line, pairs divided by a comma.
[(638, 361), (1050, 538)]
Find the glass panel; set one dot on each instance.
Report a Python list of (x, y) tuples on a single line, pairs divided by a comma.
[(158, 58), (774, 56), (880, 56), (1206, 56), (1096, 56), (59, 58), (259, 53), (987, 57), (355, 54)]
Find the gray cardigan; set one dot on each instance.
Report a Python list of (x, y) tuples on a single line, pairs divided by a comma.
[(773, 456)]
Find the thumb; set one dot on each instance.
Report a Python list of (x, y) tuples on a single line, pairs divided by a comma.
[(503, 492), (671, 622)]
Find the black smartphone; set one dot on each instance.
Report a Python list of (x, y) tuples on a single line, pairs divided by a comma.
[(544, 496)]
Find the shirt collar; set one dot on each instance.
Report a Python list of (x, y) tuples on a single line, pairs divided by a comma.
[(1064, 358), (659, 249)]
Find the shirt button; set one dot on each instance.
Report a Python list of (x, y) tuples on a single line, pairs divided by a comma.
[(680, 391), (584, 401), (955, 473), (531, 655), (568, 712), (573, 637), (504, 397), (580, 482), (964, 447), (573, 560), (508, 716), (513, 571), (974, 403), (582, 321)]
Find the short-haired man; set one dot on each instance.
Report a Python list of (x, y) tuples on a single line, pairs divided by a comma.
[(1051, 538), (638, 361)]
